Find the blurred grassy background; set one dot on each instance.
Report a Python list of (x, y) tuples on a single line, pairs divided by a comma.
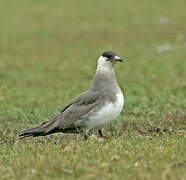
[(48, 56)]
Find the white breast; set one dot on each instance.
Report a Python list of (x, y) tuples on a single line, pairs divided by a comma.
[(107, 113)]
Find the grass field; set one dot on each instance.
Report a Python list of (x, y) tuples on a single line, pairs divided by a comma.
[(48, 56)]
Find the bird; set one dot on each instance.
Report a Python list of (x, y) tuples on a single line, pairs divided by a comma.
[(93, 109)]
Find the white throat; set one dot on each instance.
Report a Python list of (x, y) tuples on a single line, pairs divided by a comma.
[(104, 65)]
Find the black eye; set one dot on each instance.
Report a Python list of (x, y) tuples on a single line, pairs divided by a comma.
[(109, 56)]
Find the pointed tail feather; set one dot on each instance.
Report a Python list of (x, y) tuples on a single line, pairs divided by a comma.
[(37, 131), (47, 127)]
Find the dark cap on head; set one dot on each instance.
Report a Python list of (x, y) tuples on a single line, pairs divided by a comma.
[(111, 55)]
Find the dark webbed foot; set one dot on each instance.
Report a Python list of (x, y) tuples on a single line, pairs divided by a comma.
[(101, 134), (85, 137)]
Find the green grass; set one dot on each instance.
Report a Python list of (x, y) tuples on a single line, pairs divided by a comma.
[(48, 56)]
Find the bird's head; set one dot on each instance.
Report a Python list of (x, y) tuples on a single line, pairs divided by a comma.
[(107, 60)]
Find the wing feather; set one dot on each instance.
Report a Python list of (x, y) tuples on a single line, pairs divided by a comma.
[(73, 113)]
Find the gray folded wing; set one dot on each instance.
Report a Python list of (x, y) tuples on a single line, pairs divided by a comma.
[(75, 112)]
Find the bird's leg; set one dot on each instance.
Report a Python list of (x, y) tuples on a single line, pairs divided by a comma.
[(85, 137), (101, 134)]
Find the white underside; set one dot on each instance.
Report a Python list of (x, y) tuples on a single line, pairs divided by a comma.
[(107, 113)]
